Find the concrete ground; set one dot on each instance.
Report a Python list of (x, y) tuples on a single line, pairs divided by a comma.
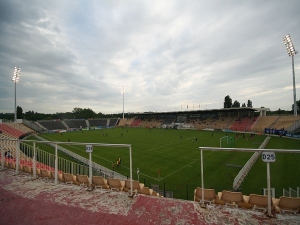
[(25, 201)]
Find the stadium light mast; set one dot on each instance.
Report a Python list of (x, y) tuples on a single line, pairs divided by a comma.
[(123, 91), (15, 79), (291, 52)]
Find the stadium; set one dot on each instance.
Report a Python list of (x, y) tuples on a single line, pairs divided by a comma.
[(157, 155), (172, 150)]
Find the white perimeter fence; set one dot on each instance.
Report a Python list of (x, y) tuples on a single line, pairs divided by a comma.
[(291, 192), (28, 154), (105, 172), (244, 150), (238, 180), (294, 126)]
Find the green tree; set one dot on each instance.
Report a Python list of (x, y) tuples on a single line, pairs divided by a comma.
[(19, 112), (243, 105), (7, 116), (101, 115), (249, 104), (80, 113), (279, 111), (88, 113), (298, 106), (34, 116), (227, 102), (236, 104), (77, 112)]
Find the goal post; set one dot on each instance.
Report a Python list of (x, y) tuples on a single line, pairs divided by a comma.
[(223, 139), (226, 141)]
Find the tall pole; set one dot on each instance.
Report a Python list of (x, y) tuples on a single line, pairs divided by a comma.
[(56, 166), (15, 102), (269, 189), (130, 169), (291, 52), (15, 79), (123, 102), (90, 170), (294, 88), (202, 180)]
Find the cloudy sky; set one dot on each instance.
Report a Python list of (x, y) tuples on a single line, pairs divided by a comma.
[(167, 54)]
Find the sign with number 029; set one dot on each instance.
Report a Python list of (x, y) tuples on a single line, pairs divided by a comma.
[(268, 156)]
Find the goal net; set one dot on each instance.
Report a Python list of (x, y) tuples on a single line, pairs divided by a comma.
[(227, 142)]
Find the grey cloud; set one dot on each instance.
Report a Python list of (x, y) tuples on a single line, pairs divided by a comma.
[(79, 54)]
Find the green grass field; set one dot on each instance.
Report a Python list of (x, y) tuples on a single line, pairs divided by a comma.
[(171, 158)]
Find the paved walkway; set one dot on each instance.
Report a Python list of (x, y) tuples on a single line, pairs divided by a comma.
[(25, 201)]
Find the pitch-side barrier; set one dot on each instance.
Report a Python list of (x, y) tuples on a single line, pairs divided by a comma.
[(248, 165), (17, 143), (273, 151)]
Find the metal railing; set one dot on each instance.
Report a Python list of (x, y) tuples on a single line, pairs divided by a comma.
[(238, 180), (42, 159), (46, 160), (273, 151), (294, 126), (31, 125), (96, 167), (291, 192), (272, 192)]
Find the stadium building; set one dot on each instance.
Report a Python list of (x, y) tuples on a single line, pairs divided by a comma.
[(63, 187)]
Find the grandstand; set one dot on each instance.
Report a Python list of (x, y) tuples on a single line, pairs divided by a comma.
[(98, 122), (243, 120), (152, 123), (113, 122), (76, 124), (224, 122), (52, 125), (243, 124), (263, 122), (129, 121), (168, 121), (284, 122), (122, 122), (11, 131), (55, 125), (72, 179), (136, 122)]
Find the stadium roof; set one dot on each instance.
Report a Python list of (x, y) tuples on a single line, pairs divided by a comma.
[(241, 109)]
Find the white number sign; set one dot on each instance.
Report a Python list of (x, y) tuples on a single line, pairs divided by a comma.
[(89, 148), (268, 156)]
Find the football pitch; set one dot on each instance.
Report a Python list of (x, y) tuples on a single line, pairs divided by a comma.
[(171, 158)]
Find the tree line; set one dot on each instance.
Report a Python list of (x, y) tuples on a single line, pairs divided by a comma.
[(87, 113), (77, 113), (228, 104)]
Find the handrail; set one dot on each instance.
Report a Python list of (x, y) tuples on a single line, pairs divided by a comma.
[(84, 160), (238, 180)]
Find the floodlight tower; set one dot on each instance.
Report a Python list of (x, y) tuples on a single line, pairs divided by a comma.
[(123, 91), (291, 52), (15, 79)]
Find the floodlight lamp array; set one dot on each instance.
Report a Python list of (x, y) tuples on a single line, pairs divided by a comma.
[(16, 76), (289, 45)]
